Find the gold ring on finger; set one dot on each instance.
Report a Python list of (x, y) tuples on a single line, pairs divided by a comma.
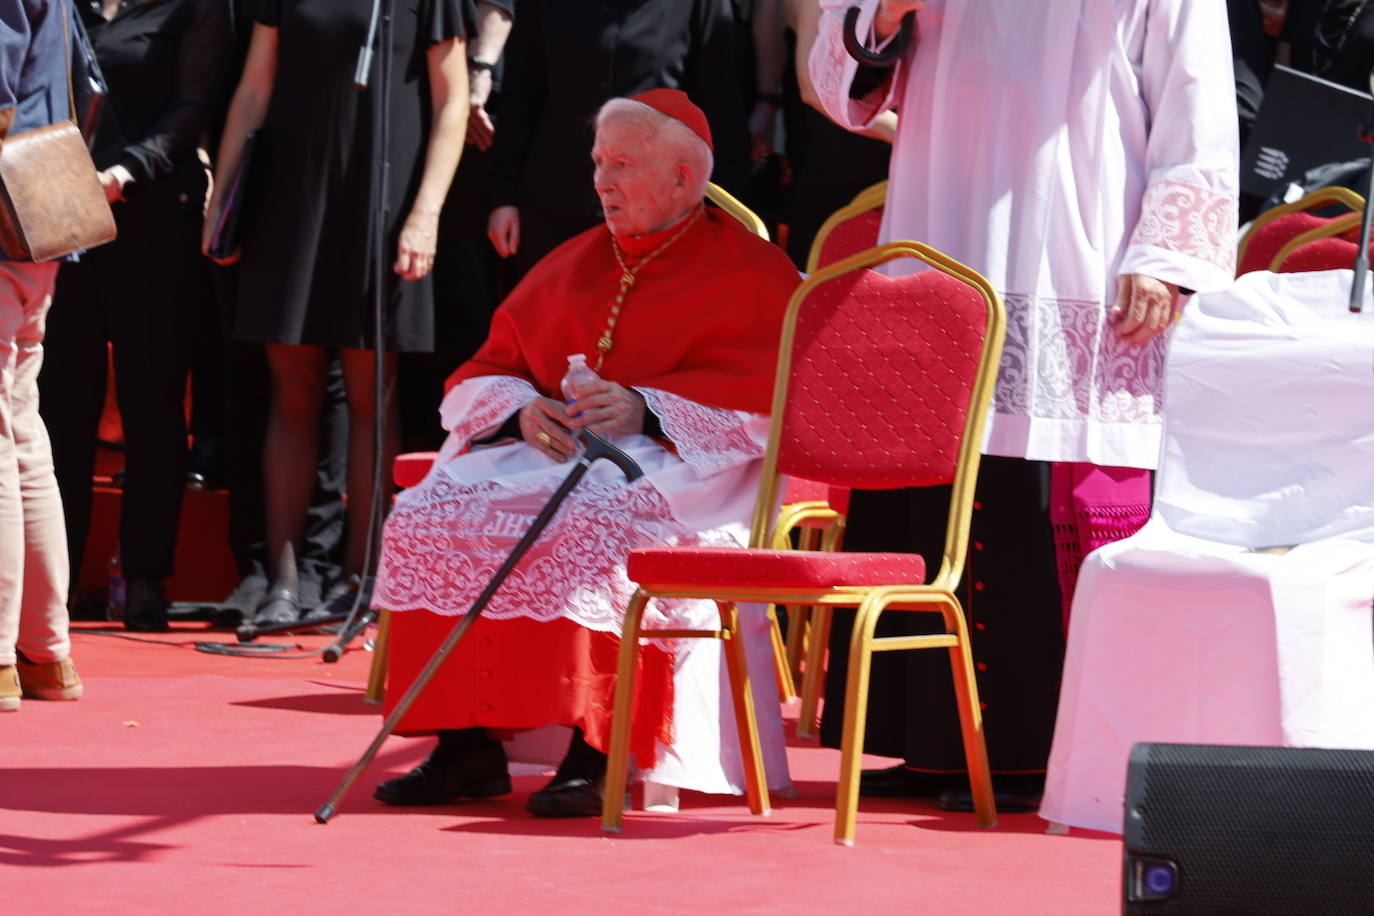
[(544, 437)]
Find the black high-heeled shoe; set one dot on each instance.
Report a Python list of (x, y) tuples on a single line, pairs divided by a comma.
[(279, 606), (342, 595)]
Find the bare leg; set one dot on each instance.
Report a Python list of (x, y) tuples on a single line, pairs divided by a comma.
[(292, 444), (359, 370)]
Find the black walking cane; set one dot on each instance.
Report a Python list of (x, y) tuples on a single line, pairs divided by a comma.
[(595, 448)]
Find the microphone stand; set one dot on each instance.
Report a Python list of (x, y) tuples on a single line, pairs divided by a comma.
[(1362, 253), (378, 34)]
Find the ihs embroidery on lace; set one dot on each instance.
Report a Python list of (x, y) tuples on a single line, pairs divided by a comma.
[(446, 539)]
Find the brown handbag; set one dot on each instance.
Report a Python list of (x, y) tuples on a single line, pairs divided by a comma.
[(51, 201)]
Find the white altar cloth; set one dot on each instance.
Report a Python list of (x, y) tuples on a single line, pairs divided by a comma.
[(1241, 613)]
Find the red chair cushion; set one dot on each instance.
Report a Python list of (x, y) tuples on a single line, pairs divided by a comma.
[(839, 499), (411, 467), (733, 566), (800, 490)]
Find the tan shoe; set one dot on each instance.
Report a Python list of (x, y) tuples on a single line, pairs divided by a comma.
[(49, 680), (9, 688)]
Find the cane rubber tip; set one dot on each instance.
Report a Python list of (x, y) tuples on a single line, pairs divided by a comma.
[(247, 633), (323, 815), (606, 829), (840, 842), (331, 654)]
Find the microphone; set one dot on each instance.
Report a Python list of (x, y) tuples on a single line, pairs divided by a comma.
[(362, 72)]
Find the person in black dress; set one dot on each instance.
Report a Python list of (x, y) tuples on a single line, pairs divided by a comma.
[(468, 274), (565, 59), (305, 284), (245, 390), (166, 62)]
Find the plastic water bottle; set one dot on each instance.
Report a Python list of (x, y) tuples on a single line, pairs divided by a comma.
[(578, 379), (114, 602)]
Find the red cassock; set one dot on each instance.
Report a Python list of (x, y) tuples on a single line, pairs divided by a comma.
[(697, 336)]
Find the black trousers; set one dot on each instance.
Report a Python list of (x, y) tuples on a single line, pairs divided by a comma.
[(1010, 594), (139, 293)]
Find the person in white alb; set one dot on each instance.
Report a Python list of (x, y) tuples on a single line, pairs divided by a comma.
[(1082, 155)]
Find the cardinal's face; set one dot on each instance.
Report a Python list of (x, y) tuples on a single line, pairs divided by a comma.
[(641, 188)]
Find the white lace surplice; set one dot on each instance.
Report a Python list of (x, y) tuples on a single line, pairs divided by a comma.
[(446, 537), (1052, 145)]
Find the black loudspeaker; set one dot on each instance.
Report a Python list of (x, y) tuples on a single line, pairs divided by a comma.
[(1249, 830)]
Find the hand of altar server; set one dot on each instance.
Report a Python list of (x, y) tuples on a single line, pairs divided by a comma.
[(608, 409), (503, 229), (890, 13), (544, 424), (1144, 307), (415, 250)]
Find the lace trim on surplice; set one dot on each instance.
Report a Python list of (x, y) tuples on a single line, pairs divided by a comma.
[(1062, 360), (709, 439)]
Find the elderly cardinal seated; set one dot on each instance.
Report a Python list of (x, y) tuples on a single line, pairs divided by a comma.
[(676, 308)]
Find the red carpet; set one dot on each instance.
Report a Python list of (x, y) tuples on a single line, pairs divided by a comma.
[(184, 782)]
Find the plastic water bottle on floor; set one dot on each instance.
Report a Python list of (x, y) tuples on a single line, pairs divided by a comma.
[(578, 379)]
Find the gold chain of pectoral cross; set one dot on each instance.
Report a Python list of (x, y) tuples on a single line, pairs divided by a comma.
[(627, 282)]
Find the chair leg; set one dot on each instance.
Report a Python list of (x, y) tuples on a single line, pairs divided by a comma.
[(798, 617), (787, 688), (813, 677), (971, 720), (742, 692), (376, 678), (798, 624), (855, 719), (618, 761)]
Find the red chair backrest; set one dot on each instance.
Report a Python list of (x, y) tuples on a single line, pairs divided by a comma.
[(881, 379), (1332, 253), (850, 237), (1268, 239)]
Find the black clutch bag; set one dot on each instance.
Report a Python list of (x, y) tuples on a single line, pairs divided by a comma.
[(89, 90), (227, 234)]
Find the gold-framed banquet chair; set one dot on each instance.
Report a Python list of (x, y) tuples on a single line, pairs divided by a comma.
[(910, 361), (1274, 230)]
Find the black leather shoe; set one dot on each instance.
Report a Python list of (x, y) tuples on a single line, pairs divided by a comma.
[(448, 775), (1014, 793), (1007, 802), (145, 607), (900, 782), (577, 797)]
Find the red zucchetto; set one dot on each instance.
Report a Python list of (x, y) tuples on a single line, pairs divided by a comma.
[(675, 104)]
